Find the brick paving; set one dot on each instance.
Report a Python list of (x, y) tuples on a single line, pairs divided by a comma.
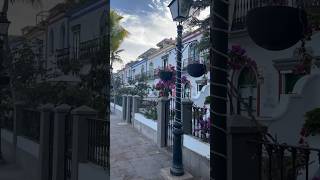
[(133, 156)]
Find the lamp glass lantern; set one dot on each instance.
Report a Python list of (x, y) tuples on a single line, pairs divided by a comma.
[(180, 9), (4, 25)]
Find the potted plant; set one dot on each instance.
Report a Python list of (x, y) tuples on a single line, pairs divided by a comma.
[(276, 25), (196, 69), (166, 73), (312, 123), (165, 88)]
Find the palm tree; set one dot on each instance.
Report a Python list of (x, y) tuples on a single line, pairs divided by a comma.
[(117, 36), (115, 57)]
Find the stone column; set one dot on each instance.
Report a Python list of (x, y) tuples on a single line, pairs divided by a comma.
[(241, 131), (124, 107), (187, 116), (135, 106), (17, 123), (59, 141), (80, 137), (129, 109), (163, 115), (45, 155)]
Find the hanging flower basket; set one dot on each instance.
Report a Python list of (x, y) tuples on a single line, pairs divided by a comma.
[(196, 69), (165, 75), (276, 27)]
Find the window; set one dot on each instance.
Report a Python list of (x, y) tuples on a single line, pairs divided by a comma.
[(62, 36), (193, 53), (187, 91), (247, 87), (51, 42), (142, 70), (151, 70), (200, 86), (165, 60), (290, 81), (76, 41)]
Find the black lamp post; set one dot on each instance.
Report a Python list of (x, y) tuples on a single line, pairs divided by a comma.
[(180, 12), (4, 79)]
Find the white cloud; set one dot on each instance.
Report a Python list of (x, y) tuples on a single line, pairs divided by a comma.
[(146, 30), (150, 6)]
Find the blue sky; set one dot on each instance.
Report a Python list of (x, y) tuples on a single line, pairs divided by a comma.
[(148, 21)]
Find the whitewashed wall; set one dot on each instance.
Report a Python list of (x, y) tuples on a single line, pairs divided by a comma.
[(90, 20)]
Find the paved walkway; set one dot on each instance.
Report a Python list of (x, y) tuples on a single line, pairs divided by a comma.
[(133, 156), (11, 171)]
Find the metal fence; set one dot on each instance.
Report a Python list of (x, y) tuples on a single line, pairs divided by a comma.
[(171, 108), (118, 100), (68, 146), (30, 125), (200, 123), (7, 121), (148, 107), (284, 162), (98, 142)]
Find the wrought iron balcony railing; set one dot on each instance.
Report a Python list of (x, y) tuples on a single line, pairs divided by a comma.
[(92, 48), (62, 55)]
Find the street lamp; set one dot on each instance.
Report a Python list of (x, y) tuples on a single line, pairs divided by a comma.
[(180, 12), (4, 28), (4, 79)]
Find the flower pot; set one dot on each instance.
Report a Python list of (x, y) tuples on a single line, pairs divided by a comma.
[(276, 27), (165, 75), (196, 69)]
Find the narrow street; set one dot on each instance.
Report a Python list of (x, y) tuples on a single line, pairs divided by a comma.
[(133, 156)]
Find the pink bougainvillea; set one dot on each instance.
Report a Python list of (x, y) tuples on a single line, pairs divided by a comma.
[(165, 88), (239, 58)]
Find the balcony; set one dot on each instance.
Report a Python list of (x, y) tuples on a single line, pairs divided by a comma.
[(66, 63), (240, 9), (91, 49), (62, 55)]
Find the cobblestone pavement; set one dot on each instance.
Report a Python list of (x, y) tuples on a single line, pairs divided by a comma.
[(133, 156), (10, 171)]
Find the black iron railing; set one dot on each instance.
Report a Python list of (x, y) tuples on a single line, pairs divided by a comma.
[(30, 125), (51, 132), (7, 121), (241, 8), (68, 146), (171, 108), (118, 100), (285, 162), (148, 107), (92, 48), (98, 142), (200, 123)]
